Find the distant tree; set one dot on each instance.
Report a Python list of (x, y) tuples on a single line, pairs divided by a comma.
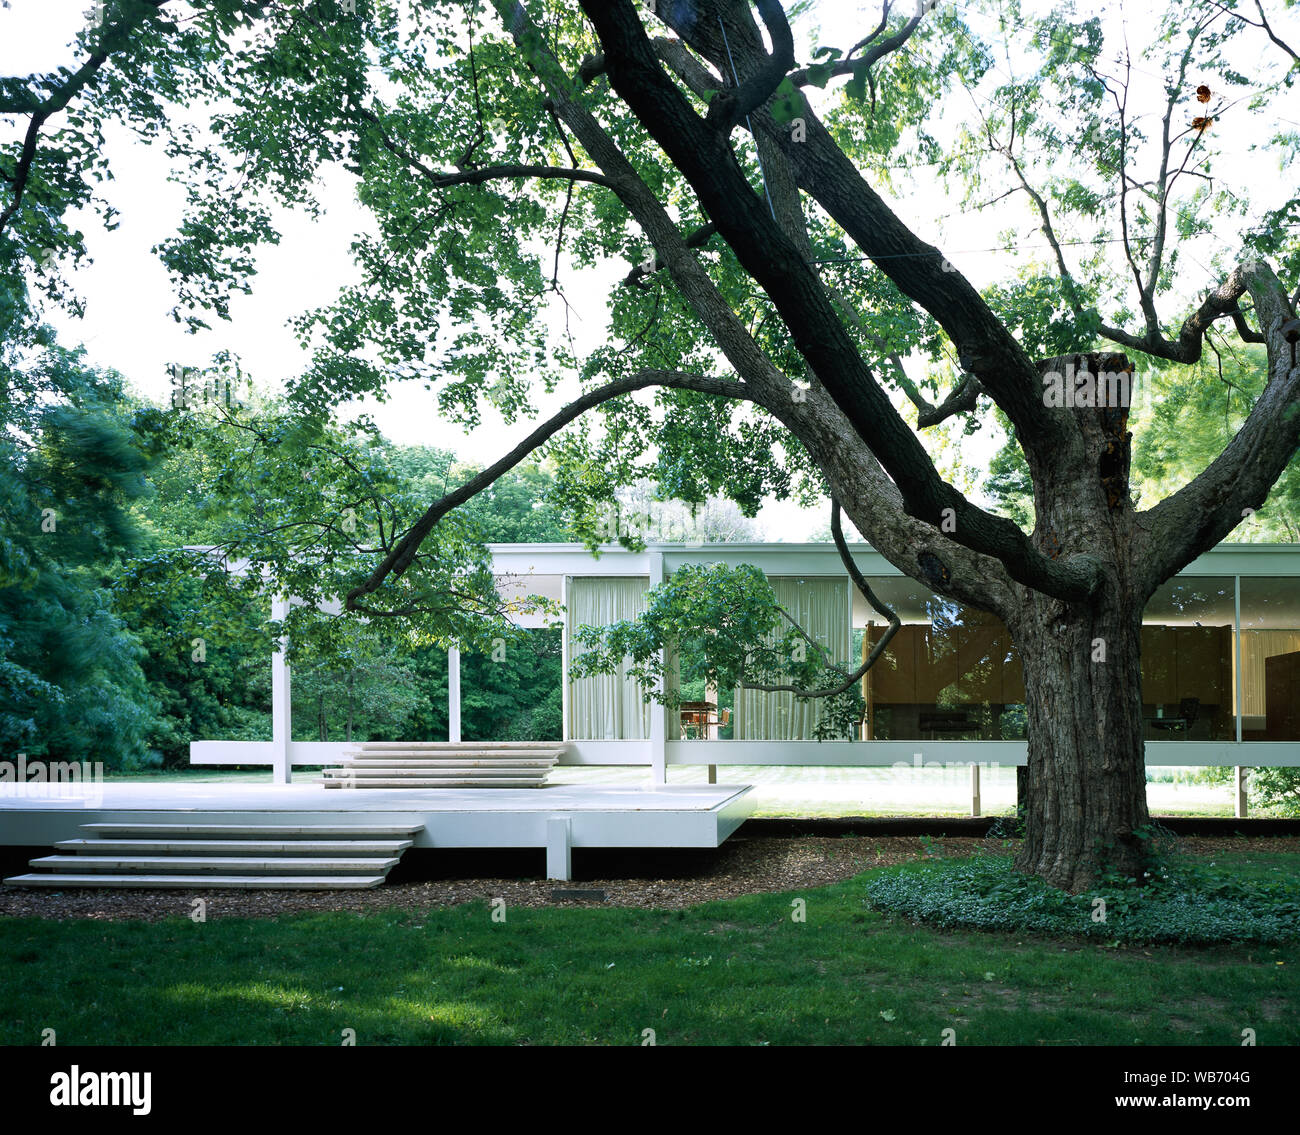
[(74, 453), (638, 512), (364, 701)]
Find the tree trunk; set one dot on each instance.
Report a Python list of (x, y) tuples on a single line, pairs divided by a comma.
[(1086, 793)]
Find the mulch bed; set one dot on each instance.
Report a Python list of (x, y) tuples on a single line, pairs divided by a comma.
[(740, 867)]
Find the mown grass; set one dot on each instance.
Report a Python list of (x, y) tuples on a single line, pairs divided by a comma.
[(736, 972)]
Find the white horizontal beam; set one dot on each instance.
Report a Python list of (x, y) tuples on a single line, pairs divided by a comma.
[(843, 754)]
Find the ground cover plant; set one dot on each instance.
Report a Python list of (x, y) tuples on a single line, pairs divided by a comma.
[(1179, 902)]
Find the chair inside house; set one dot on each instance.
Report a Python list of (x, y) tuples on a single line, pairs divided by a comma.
[(1188, 708)]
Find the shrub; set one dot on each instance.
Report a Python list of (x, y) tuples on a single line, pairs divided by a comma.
[(1182, 904)]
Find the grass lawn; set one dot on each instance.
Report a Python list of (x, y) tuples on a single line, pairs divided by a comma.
[(735, 972)]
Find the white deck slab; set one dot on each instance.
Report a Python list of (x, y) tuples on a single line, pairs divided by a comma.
[(612, 815)]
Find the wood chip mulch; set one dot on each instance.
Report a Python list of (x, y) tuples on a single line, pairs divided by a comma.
[(741, 866)]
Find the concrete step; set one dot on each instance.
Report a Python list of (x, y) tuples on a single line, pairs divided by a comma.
[(425, 782), (230, 865), (457, 746), (506, 761), (456, 772), (258, 831), (202, 882), (349, 848)]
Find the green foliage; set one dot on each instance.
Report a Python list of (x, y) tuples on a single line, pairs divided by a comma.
[(73, 458), (510, 693), (724, 627), (368, 700), (1188, 414), (1011, 486), (514, 692), (1276, 789), (1186, 904)]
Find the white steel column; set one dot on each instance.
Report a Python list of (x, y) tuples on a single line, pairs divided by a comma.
[(453, 694), (559, 848), (281, 702), (565, 725), (1240, 775), (658, 713)]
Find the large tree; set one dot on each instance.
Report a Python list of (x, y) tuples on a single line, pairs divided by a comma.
[(772, 305)]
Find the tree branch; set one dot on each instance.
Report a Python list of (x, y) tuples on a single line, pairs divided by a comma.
[(403, 553), (731, 106), (849, 66), (445, 179), (698, 239), (776, 264), (1262, 22), (1203, 512), (41, 110)]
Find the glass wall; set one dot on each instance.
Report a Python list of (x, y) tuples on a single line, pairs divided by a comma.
[(949, 673), (1188, 661), (1270, 658), (606, 707), (952, 673), (821, 607)]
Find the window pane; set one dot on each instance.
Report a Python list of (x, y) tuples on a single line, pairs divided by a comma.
[(950, 673), (1188, 679), (1270, 658)]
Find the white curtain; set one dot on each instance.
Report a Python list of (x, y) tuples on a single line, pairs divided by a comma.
[(605, 707), (821, 608), (1256, 646)]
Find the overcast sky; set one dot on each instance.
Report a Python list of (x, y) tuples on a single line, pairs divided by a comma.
[(128, 296)]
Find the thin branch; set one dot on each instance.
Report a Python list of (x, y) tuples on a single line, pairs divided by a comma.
[(568, 199), (849, 66), (444, 179), (42, 110), (698, 239), (1262, 22)]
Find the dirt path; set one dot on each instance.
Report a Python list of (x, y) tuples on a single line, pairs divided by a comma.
[(741, 867)]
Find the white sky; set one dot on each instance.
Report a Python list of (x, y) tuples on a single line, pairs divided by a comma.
[(128, 296)]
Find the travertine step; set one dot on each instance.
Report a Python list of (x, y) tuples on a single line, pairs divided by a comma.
[(445, 764), (461, 771), (300, 847), (203, 882), (258, 831), (457, 746), (230, 865), (245, 856), (425, 782), (397, 760)]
